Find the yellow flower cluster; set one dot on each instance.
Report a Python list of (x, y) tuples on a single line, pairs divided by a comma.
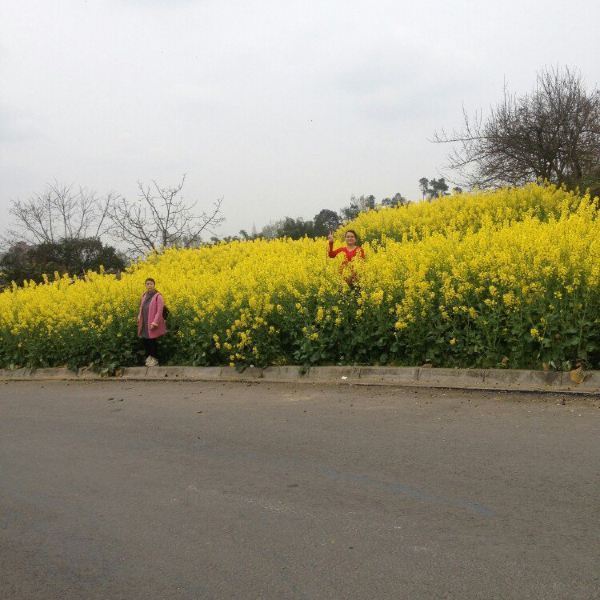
[(462, 213), (510, 278)]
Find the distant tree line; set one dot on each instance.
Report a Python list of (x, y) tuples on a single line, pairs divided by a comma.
[(25, 261), (328, 220), (322, 223)]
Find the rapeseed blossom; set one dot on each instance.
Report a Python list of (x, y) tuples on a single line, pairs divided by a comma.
[(485, 279)]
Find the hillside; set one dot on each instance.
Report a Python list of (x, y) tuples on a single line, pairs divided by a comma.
[(503, 279)]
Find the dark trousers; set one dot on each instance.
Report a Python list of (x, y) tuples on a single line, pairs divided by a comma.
[(151, 347)]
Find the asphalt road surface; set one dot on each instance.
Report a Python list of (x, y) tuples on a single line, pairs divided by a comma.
[(209, 490)]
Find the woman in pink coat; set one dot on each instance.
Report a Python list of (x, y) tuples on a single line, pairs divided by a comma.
[(150, 321)]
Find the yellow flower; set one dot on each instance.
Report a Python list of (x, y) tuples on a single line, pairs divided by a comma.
[(501, 253)]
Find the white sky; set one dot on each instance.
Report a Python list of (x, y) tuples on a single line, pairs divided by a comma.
[(280, 107)]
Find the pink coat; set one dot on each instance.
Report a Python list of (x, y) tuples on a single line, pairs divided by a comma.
[(155, 315)]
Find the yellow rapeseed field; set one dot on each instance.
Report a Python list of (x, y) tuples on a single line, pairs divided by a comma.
[(509, 279)]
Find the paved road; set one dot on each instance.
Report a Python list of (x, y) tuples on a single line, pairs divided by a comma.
[(192, 490)]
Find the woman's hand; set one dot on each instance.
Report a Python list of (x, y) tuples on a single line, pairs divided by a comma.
[(330, 237), (153, 325)]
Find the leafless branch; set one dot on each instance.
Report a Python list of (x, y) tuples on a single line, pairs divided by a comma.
[(58, 213), (160, 218), (552, 133)]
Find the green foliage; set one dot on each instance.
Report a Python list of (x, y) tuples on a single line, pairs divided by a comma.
[(28, 262)]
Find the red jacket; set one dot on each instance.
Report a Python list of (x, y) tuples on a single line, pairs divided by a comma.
[(155, 315), (348, 254)]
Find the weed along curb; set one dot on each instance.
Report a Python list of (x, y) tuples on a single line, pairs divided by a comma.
[(578, 382)]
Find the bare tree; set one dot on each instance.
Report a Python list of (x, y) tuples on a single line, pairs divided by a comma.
[(552, 133), (160, 218), (58, 213)]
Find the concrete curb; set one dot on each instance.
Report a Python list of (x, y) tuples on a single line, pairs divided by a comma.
[(577, 382)]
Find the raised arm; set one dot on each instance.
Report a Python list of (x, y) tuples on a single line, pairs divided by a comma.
[(331, 252)]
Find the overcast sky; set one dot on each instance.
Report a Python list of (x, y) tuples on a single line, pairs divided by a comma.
[(280, 107)]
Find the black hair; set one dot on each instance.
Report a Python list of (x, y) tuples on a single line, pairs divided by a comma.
[(355, 235), (150, 279)]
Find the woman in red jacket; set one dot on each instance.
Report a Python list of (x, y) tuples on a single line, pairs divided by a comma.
[(150, 321), (351, 251)]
